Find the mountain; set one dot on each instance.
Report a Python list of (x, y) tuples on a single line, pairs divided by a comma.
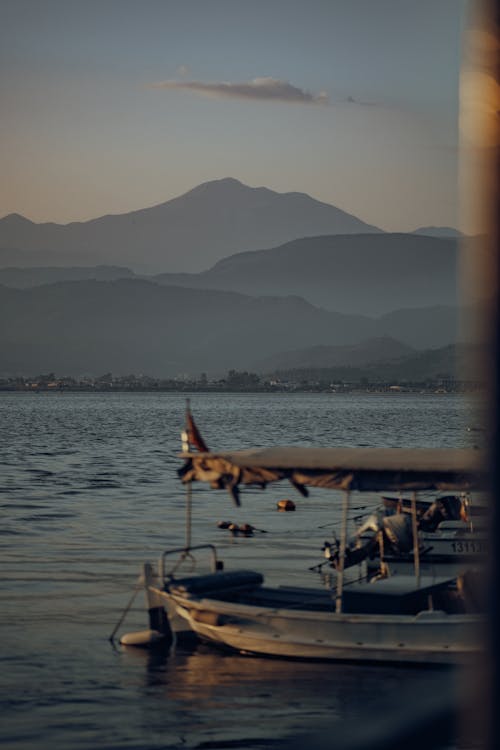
[(188, 233), (23, 278), (355, 355), (368, 274), (439, 232), (138, 326)]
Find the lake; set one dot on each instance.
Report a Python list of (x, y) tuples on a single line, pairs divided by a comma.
[(90, 491)]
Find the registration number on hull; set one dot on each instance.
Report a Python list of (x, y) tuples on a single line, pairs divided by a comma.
[(469, 547)]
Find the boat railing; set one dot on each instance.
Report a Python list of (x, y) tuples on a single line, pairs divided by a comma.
[(185, 554)]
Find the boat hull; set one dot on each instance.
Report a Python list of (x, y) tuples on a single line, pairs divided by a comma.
[(431, 637)]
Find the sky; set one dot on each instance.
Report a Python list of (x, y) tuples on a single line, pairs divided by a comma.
[(109, 106)]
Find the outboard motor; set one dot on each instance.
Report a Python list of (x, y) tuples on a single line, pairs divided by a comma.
[(398, 535), (447, 508), (392, 532)]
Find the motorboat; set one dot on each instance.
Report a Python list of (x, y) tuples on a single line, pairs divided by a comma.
[(452, 535), (398, 618)]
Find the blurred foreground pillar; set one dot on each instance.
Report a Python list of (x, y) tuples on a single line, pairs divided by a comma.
[(480, 277)]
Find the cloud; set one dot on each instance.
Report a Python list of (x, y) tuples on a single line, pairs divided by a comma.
[(262, 89)]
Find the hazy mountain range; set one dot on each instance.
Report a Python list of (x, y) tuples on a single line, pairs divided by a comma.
[(188, 233), (138, 326), (326, 279), (369, 274)]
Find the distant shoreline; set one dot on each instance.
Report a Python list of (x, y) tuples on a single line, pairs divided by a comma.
[(374, 389)]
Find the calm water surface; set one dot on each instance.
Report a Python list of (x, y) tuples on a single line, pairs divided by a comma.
[(89, 491)]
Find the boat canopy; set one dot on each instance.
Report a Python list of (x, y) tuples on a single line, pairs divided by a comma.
[(364, 469)]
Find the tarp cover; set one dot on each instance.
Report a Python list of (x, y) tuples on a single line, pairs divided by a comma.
[(365, 469)]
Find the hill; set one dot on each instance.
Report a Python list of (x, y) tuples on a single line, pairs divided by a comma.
[(356, 274), (439, 232), (320, 357), (24, 278), (137, 326), (447, 362), (368, 274)]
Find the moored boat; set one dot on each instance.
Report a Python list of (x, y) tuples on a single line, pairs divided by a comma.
[(451, 539), (399, 618)]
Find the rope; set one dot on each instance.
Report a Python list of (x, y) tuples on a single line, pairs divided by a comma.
[(125, 612), (185, 555)]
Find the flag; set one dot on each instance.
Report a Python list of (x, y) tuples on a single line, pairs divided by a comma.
[(192, 438)]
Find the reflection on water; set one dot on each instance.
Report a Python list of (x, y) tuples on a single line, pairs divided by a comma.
[(89, 492), (245, 699)]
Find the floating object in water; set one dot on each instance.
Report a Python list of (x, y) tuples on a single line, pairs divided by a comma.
[(159, 625), (246, 529), (142, 638), (285, 505)]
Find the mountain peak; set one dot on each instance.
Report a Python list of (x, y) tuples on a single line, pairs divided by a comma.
[(230, 181), (229, 187), (221, 184)]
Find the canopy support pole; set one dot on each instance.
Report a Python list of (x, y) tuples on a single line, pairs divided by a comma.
[(414, 527), (342, 549), (189, 509)]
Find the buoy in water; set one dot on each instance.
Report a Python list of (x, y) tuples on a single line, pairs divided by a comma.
[(285, 505), (142, 638)]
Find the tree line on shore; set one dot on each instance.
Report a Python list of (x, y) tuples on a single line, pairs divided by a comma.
[(237, 381)]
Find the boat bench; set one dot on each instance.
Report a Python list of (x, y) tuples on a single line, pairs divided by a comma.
[(215, 583)]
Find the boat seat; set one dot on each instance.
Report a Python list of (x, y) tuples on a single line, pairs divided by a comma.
[(215, 583)]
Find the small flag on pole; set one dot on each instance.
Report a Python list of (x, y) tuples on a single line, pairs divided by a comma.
[(191, 437)]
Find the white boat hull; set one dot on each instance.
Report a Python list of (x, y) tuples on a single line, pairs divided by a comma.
[(429, 637)]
